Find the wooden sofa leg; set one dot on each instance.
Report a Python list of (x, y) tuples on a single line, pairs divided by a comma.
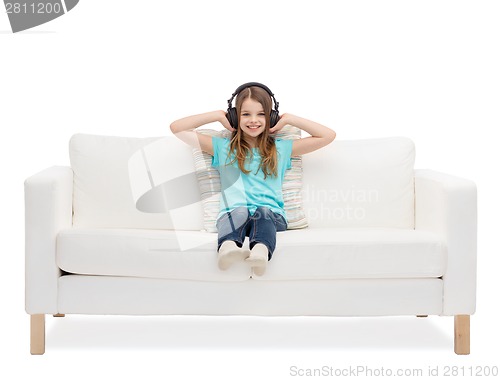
[(462, 334), (37, 346)]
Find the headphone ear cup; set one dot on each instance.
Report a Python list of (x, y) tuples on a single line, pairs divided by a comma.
[(274, 118), (232, 116)]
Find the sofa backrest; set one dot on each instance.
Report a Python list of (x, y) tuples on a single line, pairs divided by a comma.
[(122, 182), (360, 183)]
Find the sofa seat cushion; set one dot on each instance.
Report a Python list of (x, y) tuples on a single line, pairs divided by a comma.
[(185, 255), (326, 253), (319, 253)]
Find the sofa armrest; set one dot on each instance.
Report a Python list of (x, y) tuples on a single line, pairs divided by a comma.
[(447, 205), (48, 198)]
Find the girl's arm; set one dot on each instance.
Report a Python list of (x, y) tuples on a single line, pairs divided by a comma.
[(184, 129), (320, 135)]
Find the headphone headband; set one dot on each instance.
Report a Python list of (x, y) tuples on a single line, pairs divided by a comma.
[(232, 114), (251, 84)]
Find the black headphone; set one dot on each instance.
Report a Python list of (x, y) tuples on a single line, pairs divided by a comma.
[(232, 114)]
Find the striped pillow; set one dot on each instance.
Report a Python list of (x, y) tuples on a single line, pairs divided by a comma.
[(209, 182)]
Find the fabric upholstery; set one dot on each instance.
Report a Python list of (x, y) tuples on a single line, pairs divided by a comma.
[(307, 254), (154, 183), (125, 182), (148, 296), (446, 205), (48, 210), (360, 183)]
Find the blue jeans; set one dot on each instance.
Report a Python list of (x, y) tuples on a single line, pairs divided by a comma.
[(261, 227)]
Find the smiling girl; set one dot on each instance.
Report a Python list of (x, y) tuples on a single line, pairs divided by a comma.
[(252, 165)]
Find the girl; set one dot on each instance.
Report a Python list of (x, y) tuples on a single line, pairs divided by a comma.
[(252, 164)]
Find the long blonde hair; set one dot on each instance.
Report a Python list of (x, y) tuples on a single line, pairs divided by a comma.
[(265, 142)]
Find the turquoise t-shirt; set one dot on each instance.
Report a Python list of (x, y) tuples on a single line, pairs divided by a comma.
[(250, 190)]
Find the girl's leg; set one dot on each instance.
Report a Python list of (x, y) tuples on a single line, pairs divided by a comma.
[(263, 226), (231, 234)]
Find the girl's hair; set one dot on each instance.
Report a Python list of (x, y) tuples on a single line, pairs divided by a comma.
[(265, 142)]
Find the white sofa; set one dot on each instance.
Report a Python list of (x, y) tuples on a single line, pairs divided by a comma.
[(383, 239)]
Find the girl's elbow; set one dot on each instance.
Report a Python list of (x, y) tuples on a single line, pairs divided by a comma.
[(332, 136)]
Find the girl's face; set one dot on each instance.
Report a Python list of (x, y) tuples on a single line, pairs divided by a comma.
[(252, 119)]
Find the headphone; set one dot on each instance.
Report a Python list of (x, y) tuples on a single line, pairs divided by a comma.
[(232, 114)]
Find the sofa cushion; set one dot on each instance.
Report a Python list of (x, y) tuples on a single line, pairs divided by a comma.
[(121, 182), (300, 254), (209, 182), (186, 255), (360, 183), (324, 253)]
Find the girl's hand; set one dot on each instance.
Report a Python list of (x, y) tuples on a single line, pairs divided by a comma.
[(224, 121), (280, 124)]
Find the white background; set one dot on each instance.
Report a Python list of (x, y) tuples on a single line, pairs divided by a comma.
[(428, 70)]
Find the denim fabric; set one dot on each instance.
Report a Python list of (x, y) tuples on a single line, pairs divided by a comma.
[(261, 227)]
